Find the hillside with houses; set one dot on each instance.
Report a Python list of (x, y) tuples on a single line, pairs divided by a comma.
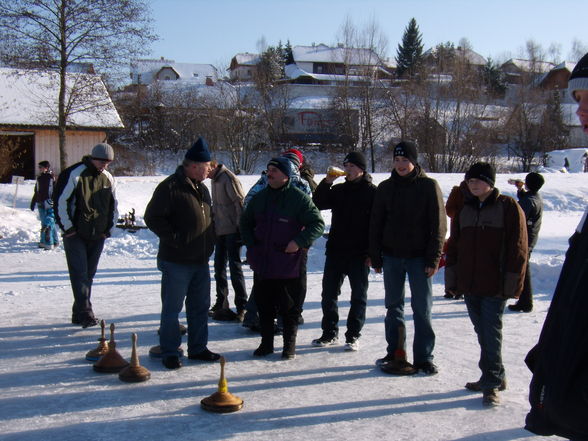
[(456, 104)]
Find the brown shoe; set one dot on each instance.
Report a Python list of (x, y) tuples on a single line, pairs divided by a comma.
[(475, 386), (490, 397)]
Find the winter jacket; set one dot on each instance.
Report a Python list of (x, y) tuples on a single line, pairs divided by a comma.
[(227, 201), (307, 174), (43, 189), (408, 219), (559, 387), (487, 250), (458, 196), (532, 205), (270, 221), (295, 180), (84, 200), (351, 205), (179, 213)]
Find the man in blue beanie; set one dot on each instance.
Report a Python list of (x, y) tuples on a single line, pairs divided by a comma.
[(179, 213)]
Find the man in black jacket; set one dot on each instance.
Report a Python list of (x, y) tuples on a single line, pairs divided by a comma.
[(179, 213), (558, 392), (347, 248), (407, 232), (532, 205)]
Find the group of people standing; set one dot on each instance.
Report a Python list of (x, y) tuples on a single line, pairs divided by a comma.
[(398, 228)]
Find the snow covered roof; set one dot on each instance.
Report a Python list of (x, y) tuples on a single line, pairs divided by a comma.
[(472, 57), (145, 71), (30, 97), (246, 59), (529, 65), (325, 54), (292, 71)]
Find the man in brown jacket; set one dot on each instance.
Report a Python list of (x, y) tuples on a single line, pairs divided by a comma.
[(407, 231), (227, 206), (486, 261)]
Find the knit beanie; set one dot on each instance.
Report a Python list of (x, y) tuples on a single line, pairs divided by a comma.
[(295, 156), (408, 150), (534, 181), (103, 151), (44, 164), (199, 151), (282, 164), (579, 77), (482, 171), (356, 158)]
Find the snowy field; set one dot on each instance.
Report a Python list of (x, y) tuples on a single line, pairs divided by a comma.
[(49, 391)]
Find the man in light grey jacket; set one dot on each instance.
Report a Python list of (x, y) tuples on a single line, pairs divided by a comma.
[(227, 206)]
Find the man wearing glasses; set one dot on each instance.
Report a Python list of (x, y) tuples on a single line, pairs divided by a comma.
[(86, 211)]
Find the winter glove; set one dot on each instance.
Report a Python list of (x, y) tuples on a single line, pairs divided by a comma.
[(33, 205), (48, 204)]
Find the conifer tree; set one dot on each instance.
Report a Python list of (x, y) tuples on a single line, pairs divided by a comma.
[(410, 51)]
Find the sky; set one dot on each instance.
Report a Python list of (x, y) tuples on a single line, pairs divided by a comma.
[(212, 32)]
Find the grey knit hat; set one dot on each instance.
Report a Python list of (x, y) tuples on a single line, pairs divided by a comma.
[(103, 151), (579, 77)]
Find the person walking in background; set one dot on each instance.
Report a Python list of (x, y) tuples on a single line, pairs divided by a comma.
[(347, 248), (227, 206), (179, 213), (532, 204), (279, 222), (486, 260), (557, 393), (459, 195), (407, 231), (85, 207), (42, 199)]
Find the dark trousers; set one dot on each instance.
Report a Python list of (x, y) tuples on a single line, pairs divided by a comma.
[(82, 262), (526, 298), (228, 248), (251, 318), (336, 268), (486, 316), (278, 297)]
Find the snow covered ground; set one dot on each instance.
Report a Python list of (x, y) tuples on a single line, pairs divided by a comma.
[(49, 391)]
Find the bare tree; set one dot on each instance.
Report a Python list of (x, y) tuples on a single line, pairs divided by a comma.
[(55, 34)]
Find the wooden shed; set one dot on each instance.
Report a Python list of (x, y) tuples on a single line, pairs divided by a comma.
[(28, 119)]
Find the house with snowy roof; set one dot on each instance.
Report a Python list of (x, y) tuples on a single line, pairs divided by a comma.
[(516, 69), (149, 71), (326, 65), (29, 118), (243, 66)]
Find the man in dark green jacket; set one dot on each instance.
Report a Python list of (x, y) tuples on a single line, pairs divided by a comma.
[(407, 232), (179, 213), (278, 224), (84, 201)]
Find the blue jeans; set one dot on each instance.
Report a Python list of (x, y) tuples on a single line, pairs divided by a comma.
[(486, 316), (179, 282), (82, 262), (228, 247), (336, 268), (421, 300), (49, 234)]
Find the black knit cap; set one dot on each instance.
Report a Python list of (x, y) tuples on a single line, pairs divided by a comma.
[(408, 150), (199, 151), (534, 181), (482, 171), (356, 158), (579, 78), (282, 164), (44, 164)]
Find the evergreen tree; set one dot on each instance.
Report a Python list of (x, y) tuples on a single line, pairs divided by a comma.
[(288, 56), (494, 79), (410, 52)]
